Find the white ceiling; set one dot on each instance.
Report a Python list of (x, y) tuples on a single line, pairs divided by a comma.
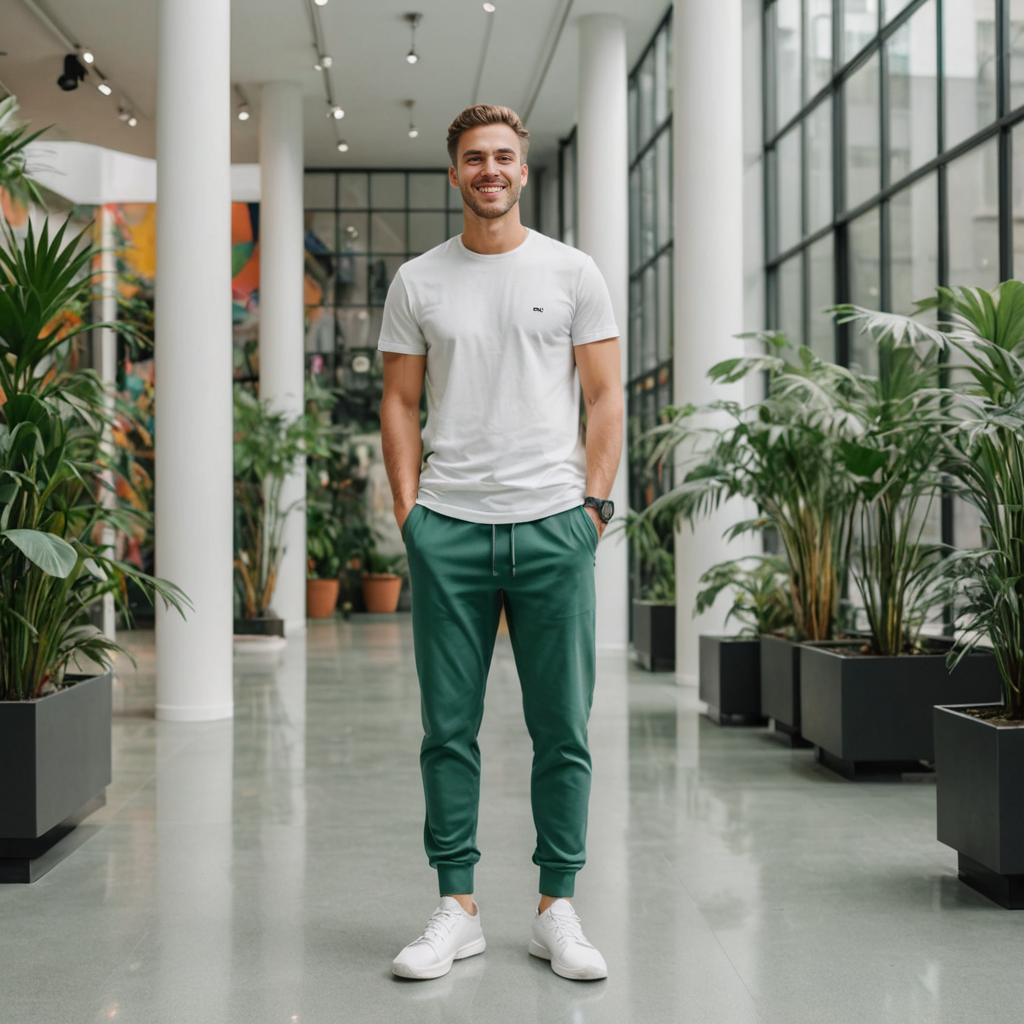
[(368, 39)]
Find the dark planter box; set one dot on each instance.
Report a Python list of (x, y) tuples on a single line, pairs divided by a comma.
[(979, 774), (55, 762), (259, 627), (654, 635), (869, 714), (730, 681), (780, 686)]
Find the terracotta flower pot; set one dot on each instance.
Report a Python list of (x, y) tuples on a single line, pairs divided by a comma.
[(381, 590), (321, 598)]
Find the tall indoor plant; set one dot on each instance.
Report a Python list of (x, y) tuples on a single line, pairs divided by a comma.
[(55, 723), (654, 610)]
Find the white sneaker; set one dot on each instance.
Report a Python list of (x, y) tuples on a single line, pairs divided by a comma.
[(450, 935), (558, 937)]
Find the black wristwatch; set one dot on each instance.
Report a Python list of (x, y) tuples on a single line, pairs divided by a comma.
[(605, 507)]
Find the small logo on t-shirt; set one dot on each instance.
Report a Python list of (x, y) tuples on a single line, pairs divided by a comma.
[(538, 309)]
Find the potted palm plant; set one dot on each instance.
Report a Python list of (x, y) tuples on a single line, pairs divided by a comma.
[(867, 707), (779, 454), (55, 679), (979, 748), (730, 665), (323, 549), (654, 611)]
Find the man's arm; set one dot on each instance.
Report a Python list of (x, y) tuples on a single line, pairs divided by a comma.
[(601, 380), (400, 428)]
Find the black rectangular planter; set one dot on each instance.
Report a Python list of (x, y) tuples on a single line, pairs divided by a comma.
[(869, 714), (979, 774), (654, 635), (730, 682), (55, 760), (780, 686), (259, 627)]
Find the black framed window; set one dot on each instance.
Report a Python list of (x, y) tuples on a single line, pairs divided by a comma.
[(894, 146)]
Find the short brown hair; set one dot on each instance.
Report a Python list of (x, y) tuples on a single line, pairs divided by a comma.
[(484, 113)]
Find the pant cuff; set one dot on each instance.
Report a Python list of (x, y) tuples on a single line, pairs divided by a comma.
[(455, 878), (557, 883)]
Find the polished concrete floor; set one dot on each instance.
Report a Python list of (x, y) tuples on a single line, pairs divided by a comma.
[(266, 869)]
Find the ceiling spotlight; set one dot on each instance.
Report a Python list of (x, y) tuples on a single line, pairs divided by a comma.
[(326, 61), (87, 56), (489, 8), (243, 112), (73, 73), (342, 145), (104, 88), (412, 131), (412, 127), (122, 114), (132, 121), (336, 112), (320, 3), (413, 19)]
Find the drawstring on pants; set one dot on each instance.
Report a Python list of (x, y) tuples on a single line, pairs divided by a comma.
[(494, 547)]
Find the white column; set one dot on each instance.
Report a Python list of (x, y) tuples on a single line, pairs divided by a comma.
[(707, 148), (193, 358), (603, 232), (105, 363), (282, 368)]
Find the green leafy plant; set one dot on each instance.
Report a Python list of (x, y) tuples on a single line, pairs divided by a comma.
[(14, 139), (760, 589), (268, 445), (982, 430), (378, 563), (892, 458), (54, 469), (651, 540), (782, 455)]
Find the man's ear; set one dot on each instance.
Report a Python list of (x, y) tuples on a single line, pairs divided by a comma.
[(524, 174)]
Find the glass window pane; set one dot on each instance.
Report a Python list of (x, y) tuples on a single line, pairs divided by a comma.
[(912, 56), (817, 45), (649, 355), (634, 218), (893, 7), (790, 300), (787, 177), (787, 60), (819, 165), (663, 182), (664, 307), (379, 275), (354, 327), (1016, 51), (454, 224), (662, 76), (427, 191), (350, 276), (913, 217), (966, 525), (633, 116), (353, 192), (321, 225), (387, 232), (647, 223), (387, 190), (862, 134), (821, 289), (860, 25), (645, 80), (865, 279), (1018, 201), (318, 190), (454, 198), (426, 230), (354, 235), (969, 52), (635, 324), (973, 217)]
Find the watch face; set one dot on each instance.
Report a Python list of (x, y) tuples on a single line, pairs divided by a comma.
[(607, 510)]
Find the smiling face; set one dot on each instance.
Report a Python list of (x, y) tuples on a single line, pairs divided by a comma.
[(489, 173)]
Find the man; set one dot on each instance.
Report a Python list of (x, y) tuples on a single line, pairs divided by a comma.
[(501, 503)]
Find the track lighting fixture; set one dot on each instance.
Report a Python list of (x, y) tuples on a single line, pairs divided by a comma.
[(104, 88), (243, 112), (320, 3), (122, 114), (132, 121), (412, 126), (342, 145), (87, 56), (413, 19), (336, 112), (489, 8), (72, 74)]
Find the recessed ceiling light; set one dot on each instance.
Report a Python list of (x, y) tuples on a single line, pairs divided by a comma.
[(343, 145), (104, 88)]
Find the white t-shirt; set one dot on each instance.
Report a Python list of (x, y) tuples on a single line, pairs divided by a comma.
[(502, 442)]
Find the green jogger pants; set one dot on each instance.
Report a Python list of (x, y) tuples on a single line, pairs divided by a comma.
[(460, 574)]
